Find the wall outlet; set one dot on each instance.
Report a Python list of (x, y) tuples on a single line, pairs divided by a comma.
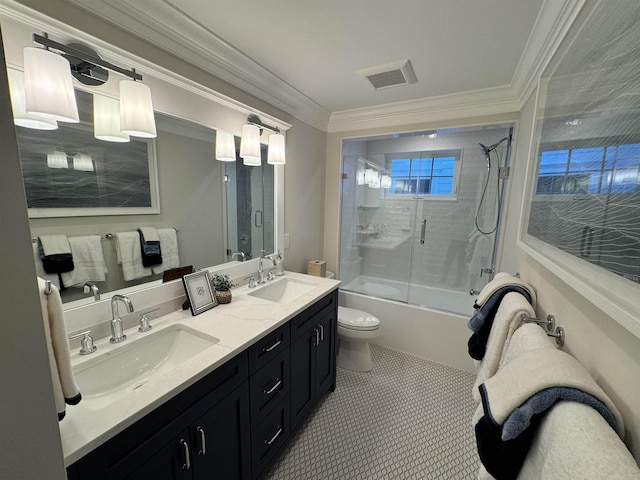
[(286, 241)]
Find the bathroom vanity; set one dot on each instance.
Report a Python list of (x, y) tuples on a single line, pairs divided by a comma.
[(227, 410)]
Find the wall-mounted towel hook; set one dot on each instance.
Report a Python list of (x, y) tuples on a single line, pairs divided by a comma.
[(549, 322), (559, 335), (47, 287)]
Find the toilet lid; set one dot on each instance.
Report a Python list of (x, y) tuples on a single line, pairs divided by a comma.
[(357, 319)]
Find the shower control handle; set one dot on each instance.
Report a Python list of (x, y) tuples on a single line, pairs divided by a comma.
[(423, 230)]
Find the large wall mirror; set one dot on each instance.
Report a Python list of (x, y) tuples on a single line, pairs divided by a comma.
[(584, 211), (173, 181)]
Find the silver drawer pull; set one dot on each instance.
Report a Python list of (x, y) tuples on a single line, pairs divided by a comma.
[(268, 349), (187, 460), (321, 333), (275, 437), (203, 441), (272, 389)]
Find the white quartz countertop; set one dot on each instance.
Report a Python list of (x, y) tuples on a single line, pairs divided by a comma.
[(236, 326)]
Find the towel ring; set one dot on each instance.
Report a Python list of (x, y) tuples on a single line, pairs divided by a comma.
[(549, 322), (559, 335)]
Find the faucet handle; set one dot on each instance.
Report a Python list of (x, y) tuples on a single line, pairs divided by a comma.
[(145, 326), (270, 275), (252, 281), (86, 344)]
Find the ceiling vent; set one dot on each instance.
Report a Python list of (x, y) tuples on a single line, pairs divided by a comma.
[(389, 75)]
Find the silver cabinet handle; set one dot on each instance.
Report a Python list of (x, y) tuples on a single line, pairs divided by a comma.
[(187, 460), (317, 332), (321, 332), (273, 388), (203, 441), (268, 349), (255, 218), (273, 439), (423, 230)]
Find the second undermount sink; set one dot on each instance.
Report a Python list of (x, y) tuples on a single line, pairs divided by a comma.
[(110, 375), (283, 291)]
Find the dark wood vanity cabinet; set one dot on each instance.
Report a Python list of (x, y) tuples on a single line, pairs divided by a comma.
[(233, 422)]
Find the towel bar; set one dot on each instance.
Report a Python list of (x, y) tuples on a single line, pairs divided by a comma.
[(559, 335), (549, 322)]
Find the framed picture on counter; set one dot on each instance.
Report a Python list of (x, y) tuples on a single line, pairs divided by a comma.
[(198, 288)]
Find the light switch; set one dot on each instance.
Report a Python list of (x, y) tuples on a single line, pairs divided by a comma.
[(286, 240)]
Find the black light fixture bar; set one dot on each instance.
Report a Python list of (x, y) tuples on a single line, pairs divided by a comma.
[(255, 120), (48, 43)]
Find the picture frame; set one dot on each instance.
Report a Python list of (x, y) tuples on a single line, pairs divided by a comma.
[(199, 291)]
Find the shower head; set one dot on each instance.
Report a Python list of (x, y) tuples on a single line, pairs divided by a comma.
[(485, 150)]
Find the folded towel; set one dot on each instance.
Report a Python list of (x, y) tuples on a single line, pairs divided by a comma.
[(516, 398), (55, 253), (52, 277), (574, 441), (482, 321), (170, 253), (507, 320), (65, 388), (129, 256), (88, 259), (150, 246), (502, 279)]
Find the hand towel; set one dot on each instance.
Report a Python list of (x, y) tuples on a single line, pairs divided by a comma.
[(574, 441), (150, 248), (65, 388), (52, 277), (129, 256), (88, 259), (507, 320), (55, 253), (502, 279), (170, 252)]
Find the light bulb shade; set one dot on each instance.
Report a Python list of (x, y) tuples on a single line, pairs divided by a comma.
[(375, 183), (370, 175), (106, 119), (385, 181), (225, 147), (57, 159), (48, 86), (275, 152), (136, 110), (83, 162), (360, 177), (250, 145), (20, 115)]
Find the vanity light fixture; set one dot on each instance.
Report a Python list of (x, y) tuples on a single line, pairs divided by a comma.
[(20, 115), (251, 140), (57, 159), (49, 88), (250, 145), (360, 177), (385, 181), (225, 147), (369, 176), (83, 162), (275, 152), (106, 119)]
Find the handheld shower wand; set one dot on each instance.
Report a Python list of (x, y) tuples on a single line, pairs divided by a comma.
[(485, 150)]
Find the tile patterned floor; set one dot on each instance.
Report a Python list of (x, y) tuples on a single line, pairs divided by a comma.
[(409, 418)]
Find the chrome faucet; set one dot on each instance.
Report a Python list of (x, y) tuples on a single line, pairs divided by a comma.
[(93, 288), (260, 269), (117, 332), (240, 255)]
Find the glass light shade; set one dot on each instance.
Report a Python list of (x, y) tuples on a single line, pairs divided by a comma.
[(375, 183), (57, 159), (370, 175), (275, 152), (20, 115), (48, 86), (385, 181), (225, 147), (250, 145), (106, 119), (136, 110), (83, 162), (360, 177)]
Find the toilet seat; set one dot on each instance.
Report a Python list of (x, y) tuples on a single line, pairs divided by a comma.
[(353, 319)]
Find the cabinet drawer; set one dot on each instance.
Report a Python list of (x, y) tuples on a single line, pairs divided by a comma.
[(307, 319), (269, 436), (268, 386), (268, 347)]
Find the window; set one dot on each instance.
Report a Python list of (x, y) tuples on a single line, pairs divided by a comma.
[(591, 170), (416, 173)]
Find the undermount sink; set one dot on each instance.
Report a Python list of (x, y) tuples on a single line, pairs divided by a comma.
[(110, 375), (283, 291)]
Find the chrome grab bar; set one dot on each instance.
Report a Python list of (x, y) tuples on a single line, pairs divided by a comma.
[(423, 230)]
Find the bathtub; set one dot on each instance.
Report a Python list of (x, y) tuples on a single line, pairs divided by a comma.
[(436, 329)]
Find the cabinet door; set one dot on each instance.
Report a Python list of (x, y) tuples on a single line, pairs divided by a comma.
[(221, 439), (303, 365), (326, 353)]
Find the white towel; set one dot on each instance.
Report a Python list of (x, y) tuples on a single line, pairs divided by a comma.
[(129, 256), (503, 279), (505, 323), (88, 261), (169, 247), (574, 441), (55, 244), (65, 388), (150, 234), (52, 277)]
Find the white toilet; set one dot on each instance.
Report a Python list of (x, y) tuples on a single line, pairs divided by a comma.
[(355, 329)]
